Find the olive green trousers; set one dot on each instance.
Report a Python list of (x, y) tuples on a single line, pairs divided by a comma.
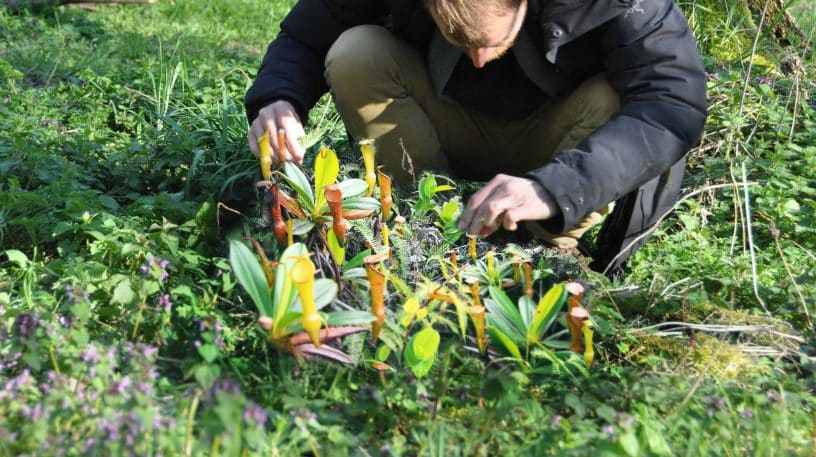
[(383, 92)]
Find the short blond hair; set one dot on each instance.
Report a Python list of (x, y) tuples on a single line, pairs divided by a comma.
[(464, 19)]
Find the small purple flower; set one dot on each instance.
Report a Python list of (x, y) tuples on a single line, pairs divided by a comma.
[(89, 444), (556, 421), (90, 355), (121, 386), (774, 397), (746, 413), (254, 414), (609, 431), (165, 303), (25, 325), (197, 343)]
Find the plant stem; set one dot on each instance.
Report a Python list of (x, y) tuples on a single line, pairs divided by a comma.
[(751, 240), (188, 436)]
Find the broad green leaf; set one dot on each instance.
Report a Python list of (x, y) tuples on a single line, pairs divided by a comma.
[(338, 252), (283, 296), (426, 187), (325, 290), (348, 318), (382, 353), (301, 227), (425, 343), (17, 257), (209, 352), (499, 320), (357, 260), (422, 367), (327, 167), (547, 311), (352, 187), (363, 203), (500, 337), (249, 273), (508, 309), (299, 182), (527, 310), (123, 294)]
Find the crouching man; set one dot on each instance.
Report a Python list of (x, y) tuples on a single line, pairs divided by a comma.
[(570, 110)]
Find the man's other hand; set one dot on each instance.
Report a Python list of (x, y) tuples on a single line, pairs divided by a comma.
[(506, 201), (278, 115)]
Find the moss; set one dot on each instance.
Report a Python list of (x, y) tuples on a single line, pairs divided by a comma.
[(701, 355)]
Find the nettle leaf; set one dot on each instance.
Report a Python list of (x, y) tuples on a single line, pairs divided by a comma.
[(17, 257), (327, 167), (209, 352), (123, 294), (250, 274)]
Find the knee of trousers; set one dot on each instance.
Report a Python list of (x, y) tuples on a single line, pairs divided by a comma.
[(599, 100), (358, 56)]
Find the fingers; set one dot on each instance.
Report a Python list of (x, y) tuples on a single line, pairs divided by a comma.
[(475, 202), (272, 118), (504, 202)]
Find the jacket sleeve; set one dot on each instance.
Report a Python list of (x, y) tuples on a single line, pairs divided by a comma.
[(292, 68), (652, 61)]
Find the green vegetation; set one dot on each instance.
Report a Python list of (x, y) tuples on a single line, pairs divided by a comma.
[(130, 302)]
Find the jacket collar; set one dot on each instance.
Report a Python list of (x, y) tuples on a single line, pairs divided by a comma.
[(561, 21)]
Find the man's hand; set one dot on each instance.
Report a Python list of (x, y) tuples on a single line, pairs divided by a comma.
[(278, 115), (505, 201)]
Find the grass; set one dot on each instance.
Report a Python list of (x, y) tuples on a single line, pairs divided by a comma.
[(123, 130)]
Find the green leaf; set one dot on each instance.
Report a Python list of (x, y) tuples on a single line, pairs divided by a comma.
[(249, 273), (123, 294), (526, 310), (301, 227), (496, 319), (420, 352), (324, 292), (283, 295), (299, 182), (500, 337), (357, 260), (327, 167), (382, 353), (425, 343), (363, 203), (17, 257), (348, 318), (547, 311), (426, 187), (209, 352), (507, 309), (338, 252), (352, 187)]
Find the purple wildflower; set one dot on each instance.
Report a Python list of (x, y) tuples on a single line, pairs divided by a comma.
[(90, 355), (609, 431), (555, 422), (254, 414), (165, 303), (25, 325), (121, 386), (746, 413)]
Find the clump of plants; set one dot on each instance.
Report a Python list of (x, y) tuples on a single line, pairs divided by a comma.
[(469, 298)]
